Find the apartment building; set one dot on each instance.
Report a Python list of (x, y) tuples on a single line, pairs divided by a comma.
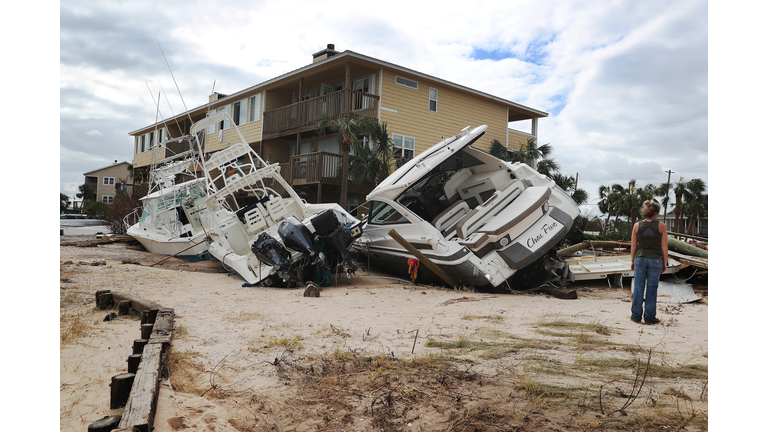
[(104, 180), (278, 117)]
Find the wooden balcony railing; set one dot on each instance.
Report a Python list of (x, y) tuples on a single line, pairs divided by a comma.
[(302, 116), (318, 167)]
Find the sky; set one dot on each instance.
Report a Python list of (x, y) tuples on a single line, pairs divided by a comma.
[(625, 82)]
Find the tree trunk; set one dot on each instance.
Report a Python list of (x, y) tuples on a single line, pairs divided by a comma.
[(344, 173), (607, 222)]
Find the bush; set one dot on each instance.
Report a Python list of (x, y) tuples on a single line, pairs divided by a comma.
[(97, 210), (123, 204)]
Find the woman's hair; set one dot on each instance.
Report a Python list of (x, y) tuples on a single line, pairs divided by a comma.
[(650, 209)]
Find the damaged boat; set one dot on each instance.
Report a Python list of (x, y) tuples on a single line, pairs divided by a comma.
[(173, 215), (261, 229), (478, 218)]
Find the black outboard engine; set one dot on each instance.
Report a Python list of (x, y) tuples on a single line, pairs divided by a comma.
[(296, 236), (269, 250), (332, 232)]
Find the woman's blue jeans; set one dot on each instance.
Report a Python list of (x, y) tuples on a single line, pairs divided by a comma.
[(647, 274)]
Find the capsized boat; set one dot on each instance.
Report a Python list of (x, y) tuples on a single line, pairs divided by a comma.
[(261, 228), (478, 218), (591, 267), (173, 216)]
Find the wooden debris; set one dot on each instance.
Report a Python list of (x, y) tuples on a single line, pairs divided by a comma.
[(140, 409)]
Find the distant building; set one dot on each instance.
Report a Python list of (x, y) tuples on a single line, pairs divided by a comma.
[(277, 118), (700, 225), (104, 180)]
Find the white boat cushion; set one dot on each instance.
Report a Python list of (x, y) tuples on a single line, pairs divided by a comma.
[(451, 187), (277, 209), (451, 215), (489, 209)]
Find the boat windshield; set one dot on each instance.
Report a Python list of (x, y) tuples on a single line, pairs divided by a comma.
[(426, 198), (384, 214), (156, 206)]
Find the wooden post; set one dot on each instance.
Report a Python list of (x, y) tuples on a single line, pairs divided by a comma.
[(124, 307), (98, 296), (138, 345), (105, 300), (420, 256), (120, 389), (146, 330), (133, 363)]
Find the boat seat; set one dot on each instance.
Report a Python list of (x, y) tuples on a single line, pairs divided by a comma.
[(489, 209), (450, 216), (277, 209), (254, 220), (526, 204), (451, 186), (233, 231)]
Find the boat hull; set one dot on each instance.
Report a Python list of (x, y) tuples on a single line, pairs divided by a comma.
[(188, 248)]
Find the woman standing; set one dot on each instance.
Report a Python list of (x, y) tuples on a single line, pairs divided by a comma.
[(649, 261)]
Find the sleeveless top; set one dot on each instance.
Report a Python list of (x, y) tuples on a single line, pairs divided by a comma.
[(649, 240)]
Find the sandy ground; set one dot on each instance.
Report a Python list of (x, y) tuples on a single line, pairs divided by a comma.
[(234, 333)]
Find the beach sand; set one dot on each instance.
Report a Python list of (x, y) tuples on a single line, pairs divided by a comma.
[(242, 348)]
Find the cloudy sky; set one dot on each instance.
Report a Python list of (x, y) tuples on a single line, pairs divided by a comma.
[(625, 82)]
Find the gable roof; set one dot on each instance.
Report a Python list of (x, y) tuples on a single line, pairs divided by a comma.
[(106, 167), (345, 56)]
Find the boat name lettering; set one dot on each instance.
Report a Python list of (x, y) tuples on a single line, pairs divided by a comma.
[(547, 228)]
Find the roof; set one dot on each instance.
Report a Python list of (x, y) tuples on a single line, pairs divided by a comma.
[(344, 56), (106, 167)]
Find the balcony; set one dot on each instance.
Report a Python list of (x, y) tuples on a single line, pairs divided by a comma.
[(312, 168), (302, 116)]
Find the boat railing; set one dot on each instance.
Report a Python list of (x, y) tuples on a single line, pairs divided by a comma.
[(132, 218)]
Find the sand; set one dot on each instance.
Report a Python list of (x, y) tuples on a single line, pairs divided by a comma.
[(235, 333)]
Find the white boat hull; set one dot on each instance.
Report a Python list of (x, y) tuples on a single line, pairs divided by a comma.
[(190, 248)]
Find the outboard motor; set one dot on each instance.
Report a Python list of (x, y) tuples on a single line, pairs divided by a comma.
[(330, 231), (296, 236), (269, 250)]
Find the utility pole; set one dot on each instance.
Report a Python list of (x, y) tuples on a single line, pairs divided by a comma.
[(669, 176)]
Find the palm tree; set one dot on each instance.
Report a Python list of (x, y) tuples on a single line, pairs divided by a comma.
[(695, 203), (499, 151), (530, 153), (568, 184), (663, 193), (610, 203), (346, 129), (681, 191)]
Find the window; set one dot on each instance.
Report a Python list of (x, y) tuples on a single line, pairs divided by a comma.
[(160, 135), (403, 146), (109, 181), (406, 82), (106, 199), (144, 143), (255, 112), (151, 139), (224, 124), (432, 99), (239, 112)]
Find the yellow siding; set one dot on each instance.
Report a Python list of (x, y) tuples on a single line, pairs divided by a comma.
[(455, 111), (145, 158), (251, 130), (517, 139)]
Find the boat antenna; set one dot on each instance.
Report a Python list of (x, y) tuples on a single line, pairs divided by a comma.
[(170, 108), (174, 79), (157, 104)]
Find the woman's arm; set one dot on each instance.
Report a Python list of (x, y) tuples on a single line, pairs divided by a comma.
[(634, 245), (664, 245)]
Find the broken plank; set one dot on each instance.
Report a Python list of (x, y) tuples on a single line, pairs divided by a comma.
[(140, 409), (162, 331)]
